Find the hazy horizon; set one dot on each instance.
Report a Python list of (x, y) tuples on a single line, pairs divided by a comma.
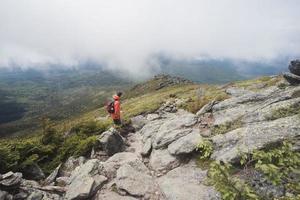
[(127, 35)]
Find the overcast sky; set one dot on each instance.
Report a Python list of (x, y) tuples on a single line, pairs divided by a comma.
[(125, 34)]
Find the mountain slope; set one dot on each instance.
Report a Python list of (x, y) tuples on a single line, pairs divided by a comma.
[(168, 155)]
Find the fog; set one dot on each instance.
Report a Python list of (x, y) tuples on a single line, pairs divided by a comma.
[(125, 35)]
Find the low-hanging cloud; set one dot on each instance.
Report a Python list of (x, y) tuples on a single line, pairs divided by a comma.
[(125, 34)]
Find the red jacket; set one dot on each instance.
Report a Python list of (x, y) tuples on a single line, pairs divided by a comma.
[(117, 106)]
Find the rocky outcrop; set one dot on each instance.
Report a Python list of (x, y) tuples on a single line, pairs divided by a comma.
[(186, 181), (294, 77), (294, 67), (85, 181), (229, 146), (111, 142)]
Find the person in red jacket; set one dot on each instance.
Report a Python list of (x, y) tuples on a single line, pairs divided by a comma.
[(116, 116)]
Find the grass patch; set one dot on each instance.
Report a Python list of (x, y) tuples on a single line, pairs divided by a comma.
[(285, 112), (207, 94), (266, 81), (49, 148), (226, 127)]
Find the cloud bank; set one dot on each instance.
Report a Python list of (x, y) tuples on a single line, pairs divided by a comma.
[(125, 34)]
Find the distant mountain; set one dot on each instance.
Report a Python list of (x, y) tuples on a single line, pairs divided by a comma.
[(28, 95), (219, 71)]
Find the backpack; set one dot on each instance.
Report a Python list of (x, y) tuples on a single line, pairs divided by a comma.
[(110, 107)]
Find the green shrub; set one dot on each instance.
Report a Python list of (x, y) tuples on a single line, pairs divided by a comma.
[(91, 127), (277, 164), (226, 127), (206, 149), (230, 187)]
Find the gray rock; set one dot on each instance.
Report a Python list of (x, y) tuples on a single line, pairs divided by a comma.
[(33, 172), (62, 181), (71, 164), (11, 180), (3, 195), (147, 148), (135, 180), (266, 113), (292, 78), (29, 183), (138, 122), (110, 167), (7, 175), (186, 182), (236, 91), (294, 67), (185, 144), (152, 116), (85, 181), (162, 160), (235, 108), (51, 178), (206, 108), (20, 196), (111, 141), (173, 126), (109, 195), (229, 146), (36, 195)]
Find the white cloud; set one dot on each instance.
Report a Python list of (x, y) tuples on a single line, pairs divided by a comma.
[(126, 33)]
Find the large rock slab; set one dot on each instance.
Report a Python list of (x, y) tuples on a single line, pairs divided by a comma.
[(186, 182), (110, 167), (266, 113), (136, 180), (229, 146), (162, 160), (185, 144), (85, 181), (111, 142), (235, 108), (171, 127)]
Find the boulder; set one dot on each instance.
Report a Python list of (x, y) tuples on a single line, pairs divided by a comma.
[(162, 160), (111, 142), (229, 146), (85, 181), (147, 148), (3, 195), (294, 67), (206, 108), (51, 178), (33, 172), (20, 196), (186, 181), (185, 144), (70, 165), (62, 181), (292, 78), (110, 167), (163, 132), (11, 180), (135, 180), (36, 195), (138, 122)]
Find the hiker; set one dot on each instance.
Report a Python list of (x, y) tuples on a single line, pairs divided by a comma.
[(114, 108)]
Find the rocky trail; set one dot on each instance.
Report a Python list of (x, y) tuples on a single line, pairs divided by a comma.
[(159, 160)]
